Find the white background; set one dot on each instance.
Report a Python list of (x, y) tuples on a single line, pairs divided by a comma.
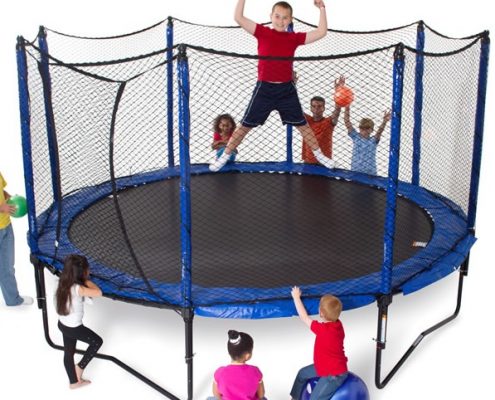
[(455, 363)]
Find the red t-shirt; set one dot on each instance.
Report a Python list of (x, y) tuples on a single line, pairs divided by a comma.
[(329, 356), (323, 130), (217, 136), (272, 43)]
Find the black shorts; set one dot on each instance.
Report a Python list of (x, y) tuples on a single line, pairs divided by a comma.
[(274, 96)]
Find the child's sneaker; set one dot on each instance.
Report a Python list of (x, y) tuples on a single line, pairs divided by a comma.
[(26, 301), (219, 163), (326, 162)]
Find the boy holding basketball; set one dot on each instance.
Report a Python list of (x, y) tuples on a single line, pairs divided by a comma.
[(8, 284), (275, 89)]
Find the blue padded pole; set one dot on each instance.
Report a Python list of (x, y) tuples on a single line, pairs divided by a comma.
[(418, 103), (170, 92), (185, 211), (290, 131), (25, 114), (50, 123), (185, 175), (393, 171), (478, 129)]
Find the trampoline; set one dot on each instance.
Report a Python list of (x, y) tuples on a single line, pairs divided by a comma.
[(116, 154), (248, 255)]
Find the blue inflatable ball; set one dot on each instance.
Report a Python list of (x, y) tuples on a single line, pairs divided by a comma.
[(353, 388)]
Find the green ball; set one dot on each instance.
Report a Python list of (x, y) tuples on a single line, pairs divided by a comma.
[(20, 205)]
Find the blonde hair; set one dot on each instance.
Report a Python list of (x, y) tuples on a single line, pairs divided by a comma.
[(330, 307), (367, 123)]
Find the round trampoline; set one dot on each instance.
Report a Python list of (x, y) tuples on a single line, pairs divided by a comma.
[(256, 232), (117, 143)]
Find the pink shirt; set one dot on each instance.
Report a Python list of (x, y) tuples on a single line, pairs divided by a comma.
[(238, 382), (329, 357), (272, 43)]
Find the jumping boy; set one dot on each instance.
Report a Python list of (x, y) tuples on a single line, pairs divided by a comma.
[(275, 89)]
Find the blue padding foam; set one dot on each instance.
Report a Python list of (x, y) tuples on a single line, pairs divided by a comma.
[(447, 249)]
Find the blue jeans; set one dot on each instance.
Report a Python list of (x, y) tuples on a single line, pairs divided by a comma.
[(214, 398), (324, 389), (8, 283), (232, 156)]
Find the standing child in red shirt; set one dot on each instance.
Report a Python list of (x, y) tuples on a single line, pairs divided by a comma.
[(330, 362), (275, 89)]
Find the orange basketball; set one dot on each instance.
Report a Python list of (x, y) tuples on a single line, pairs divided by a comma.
[(343, 96)]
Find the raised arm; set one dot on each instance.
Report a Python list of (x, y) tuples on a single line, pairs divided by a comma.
[(347, 119), (244, 23), (90, 290), (301, 310), (336, 111), (386, 117), (322, 28)]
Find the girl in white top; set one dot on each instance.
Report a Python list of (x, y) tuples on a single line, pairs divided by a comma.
[(74, 289)]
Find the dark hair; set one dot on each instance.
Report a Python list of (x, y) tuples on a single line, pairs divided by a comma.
[(317, 98), (283, 4), (217, 120), (75, 271), (239, 343)]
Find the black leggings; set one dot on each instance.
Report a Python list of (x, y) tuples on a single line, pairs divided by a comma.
[(71, 336)]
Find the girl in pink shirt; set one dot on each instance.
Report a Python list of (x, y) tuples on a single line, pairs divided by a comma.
[(238, 380)]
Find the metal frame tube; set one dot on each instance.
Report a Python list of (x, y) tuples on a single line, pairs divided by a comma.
[(393, 170), (418, 103), (170, 92)]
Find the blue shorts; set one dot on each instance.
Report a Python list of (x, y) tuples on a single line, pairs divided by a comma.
[(274, 96)]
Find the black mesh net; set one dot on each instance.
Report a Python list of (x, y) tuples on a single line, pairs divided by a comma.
[(106, 165)]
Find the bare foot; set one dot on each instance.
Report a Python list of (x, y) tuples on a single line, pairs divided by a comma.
[(79, 373), (79, 384)]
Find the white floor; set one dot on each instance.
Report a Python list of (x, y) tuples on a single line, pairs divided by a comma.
[(449, 364)]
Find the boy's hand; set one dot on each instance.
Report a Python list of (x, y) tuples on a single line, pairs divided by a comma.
[(339, 82), (296, 293), (387, 115), (301, 310), (319, 3), (7, 208)]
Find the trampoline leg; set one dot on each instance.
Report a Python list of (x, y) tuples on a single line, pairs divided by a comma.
[(41, 294), (188, 315), (383, 304)]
